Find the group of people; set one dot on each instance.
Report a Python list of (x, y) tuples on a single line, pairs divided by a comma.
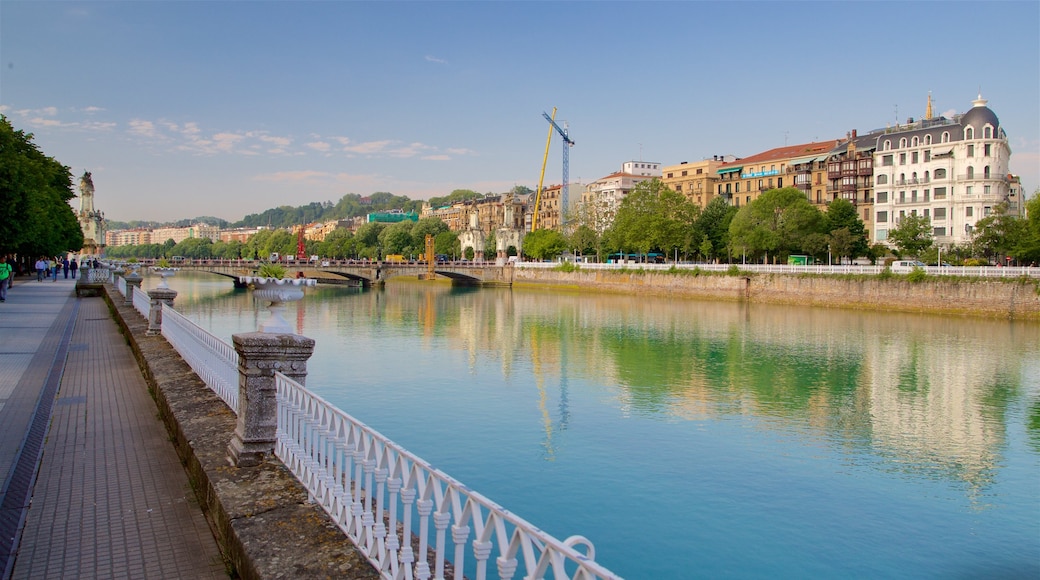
[(48, 268)]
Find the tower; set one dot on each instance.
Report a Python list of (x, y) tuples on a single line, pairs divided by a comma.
[(91, 221)]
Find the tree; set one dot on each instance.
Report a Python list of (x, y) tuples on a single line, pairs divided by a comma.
[(652, 217), (544, 244), (841, 214), (997, 235), (35, 216), (912, 235), (779, 222), (1027, 250), (713, 225), (585, 241)]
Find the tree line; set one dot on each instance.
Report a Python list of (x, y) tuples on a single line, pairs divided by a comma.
[(35, 216)]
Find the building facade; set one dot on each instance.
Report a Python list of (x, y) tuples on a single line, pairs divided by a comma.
[(743, 180), (697, 180), (952, 171)]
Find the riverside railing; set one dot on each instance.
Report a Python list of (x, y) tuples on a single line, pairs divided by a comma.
[(965, 271), (212, 359), (393, 505), (398, 509), (142, 303)]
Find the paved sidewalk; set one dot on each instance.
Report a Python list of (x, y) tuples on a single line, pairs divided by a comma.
[(109, 497)]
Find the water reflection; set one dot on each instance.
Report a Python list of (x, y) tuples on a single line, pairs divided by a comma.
[(928, 396)]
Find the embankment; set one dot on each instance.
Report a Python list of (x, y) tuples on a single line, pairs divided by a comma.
[(1011, 299)]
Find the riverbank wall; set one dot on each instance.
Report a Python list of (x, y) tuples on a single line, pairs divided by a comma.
[(1008, 299), (261, 516)]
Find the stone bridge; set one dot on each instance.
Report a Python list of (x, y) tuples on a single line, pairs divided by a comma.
[(368, 274)]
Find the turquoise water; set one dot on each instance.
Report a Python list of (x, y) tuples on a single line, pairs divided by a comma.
[(697, 439)]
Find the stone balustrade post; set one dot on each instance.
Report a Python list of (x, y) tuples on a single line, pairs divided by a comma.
[(158, 296), (133, 280), (260, 354)]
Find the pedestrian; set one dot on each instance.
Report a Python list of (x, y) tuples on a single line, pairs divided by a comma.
[(54, 269), (95, 264), (65, 266), (5, 277), (73, 266), (41, 265)]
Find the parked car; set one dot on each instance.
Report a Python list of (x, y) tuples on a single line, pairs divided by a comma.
[(904, 266)]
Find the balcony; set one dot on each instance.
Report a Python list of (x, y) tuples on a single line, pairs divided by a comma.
[(867, 170), (912, 181)]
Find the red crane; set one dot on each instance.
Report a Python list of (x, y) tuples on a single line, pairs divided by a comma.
[(301, 250)]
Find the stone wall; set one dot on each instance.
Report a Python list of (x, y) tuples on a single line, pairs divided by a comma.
[(1017, 299)]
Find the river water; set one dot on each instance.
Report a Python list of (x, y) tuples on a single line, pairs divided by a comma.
[(696, 439)]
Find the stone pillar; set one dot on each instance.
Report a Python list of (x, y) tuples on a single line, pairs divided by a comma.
[(133, 280), (159, 296), (260, 354)]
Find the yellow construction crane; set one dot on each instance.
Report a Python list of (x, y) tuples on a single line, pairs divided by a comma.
[(541, 177)]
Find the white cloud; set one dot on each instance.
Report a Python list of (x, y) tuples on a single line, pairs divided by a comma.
[(435, 59), (143, 128), (319, 146), (368, 148), (436, 158)]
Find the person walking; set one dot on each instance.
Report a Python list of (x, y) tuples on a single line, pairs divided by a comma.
[(41, 265), (65, 266), (54, 269), (73, 266), (5, 277)]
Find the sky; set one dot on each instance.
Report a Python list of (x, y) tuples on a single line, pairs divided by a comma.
[(185, 109)]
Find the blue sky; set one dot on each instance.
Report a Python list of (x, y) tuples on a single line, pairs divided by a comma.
[(182, 109)]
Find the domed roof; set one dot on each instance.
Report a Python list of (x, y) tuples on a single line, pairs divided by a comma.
[(979, 116)]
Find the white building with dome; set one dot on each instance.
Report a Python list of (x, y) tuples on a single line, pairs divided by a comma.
[(952, 171)]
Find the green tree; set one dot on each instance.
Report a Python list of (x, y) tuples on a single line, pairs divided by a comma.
[(544, 244), (652, 217), (35, 215), (779, 222), (996, 236), (912, 235), (585, 241), (713, 225), (397, 239), (447, 243), (841, 214), (1027, 250), (195, 248)]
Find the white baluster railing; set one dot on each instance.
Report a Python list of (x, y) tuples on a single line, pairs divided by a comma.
[(213, 360), (142, 303), (120, 284), (383, 497)]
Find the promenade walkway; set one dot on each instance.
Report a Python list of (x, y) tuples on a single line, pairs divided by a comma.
[(91, 485)]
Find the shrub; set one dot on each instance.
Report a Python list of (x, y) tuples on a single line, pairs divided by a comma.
[(916, 275), (270, 271)]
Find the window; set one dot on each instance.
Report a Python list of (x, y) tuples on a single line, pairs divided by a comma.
[(882, 179), (902, 143), (678, 187), (945, 137), (779, 181), (886, 161), (913, 196), (940, 173), (902, 158), (902, 197), (927, 139), (940, 193), (882, 197), (926, 213), (882, 217), (684, 173), (760, 184), (987, 150), (986, 189), (700, 171), (971, 151), (967, 190), (882, 235), (669, 176), (985, 172), (938, 231), (737, 189), (971, 172), (887, 145), (987, 210), (927, 193), (914, 142), (770, 183), (987, 132), (969, 133), (940, 213), (913, 157), (927, 155), (866, 215), (969, 211)]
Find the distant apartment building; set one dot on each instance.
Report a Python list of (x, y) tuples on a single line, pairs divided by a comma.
[(178, 235), (134, 237), (601, 199), (696, 180), (642, 168), (952, 171), (741, 181), (240, 234), (318, 231), (491, 212)]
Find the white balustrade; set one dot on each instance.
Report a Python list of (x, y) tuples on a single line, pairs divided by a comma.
[(213, 360), (967, 271), (384, 497), (142, 303), (120, 283)]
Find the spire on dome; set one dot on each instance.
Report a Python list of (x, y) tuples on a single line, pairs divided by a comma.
[(928, 109)]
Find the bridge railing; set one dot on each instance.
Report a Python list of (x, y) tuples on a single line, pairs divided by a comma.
[(120, 284), (386, 498), (213, 360), (142, 303)]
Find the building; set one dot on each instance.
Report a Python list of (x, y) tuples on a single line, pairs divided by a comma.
[(743, 180), (601, 199), (697, 180), (643, 168), (91, 221), (134, 237), (178, 235), (952, 171)]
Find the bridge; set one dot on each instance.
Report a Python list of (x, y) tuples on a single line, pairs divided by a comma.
[(364, 273)]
